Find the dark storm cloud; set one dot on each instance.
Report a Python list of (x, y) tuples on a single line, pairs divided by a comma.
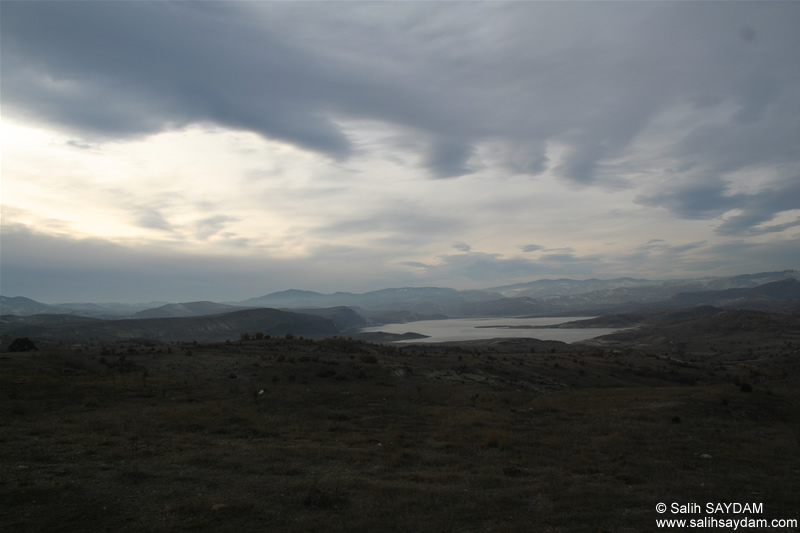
[(696, 104), (590, 77), (712, 199), (117, 69), (693, 200), (527, 158), (448, 159)]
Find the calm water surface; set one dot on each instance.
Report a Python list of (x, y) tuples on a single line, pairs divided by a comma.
[(464, 329)]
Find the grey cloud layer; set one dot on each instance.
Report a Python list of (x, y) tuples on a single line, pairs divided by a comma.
[(712, 198), (98, 270), (132, 68), (591, 77), (695, 106)]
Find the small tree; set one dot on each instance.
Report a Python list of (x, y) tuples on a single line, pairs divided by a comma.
[(245, 336)]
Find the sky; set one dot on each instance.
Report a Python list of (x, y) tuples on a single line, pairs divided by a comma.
[(183, 151)]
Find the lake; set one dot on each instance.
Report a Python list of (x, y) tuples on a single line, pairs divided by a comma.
[(465, 329)]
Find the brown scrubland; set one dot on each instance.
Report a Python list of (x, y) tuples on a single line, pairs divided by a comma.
[(498, 435)]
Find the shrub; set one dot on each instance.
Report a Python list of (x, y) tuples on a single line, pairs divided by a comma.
[(22, 344)]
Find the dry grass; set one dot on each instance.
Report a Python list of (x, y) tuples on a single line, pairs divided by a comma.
[(451, 441)]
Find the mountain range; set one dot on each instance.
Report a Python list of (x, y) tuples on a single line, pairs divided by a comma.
[(413, 303), (316, 314)]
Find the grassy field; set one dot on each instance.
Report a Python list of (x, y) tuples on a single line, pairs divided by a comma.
[(350, 436)]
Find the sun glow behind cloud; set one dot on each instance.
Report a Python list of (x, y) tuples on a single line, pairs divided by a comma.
[(211, 189), (198, 186)]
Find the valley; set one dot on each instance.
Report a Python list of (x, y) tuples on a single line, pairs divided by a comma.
[(506, 434), (243, 420)]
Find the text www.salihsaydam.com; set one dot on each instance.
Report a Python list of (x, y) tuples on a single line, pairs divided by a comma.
[(732, 523)]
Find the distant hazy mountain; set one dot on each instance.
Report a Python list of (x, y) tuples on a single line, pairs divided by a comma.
[(748, 280), (650, 317), (664, 295), (536, 297), (290, 298), (420, 300), (658, 288), (9, 322), (209, 328), (375, 317), (504, 307), (22, 306), (187, 309), (110, 309), (19, 305), (344, 318), (781, 295), (543, 297)]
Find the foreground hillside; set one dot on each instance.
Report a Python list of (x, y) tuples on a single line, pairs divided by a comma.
[(498, 435)]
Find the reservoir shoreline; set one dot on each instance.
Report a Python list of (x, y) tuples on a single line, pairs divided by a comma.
[(465, 329)]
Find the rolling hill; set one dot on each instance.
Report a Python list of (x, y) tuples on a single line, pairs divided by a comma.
[(208, 328), (768, 291), (187, 309), (713, 334)]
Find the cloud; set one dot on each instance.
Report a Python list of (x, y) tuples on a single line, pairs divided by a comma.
[(714, 198), (151, 218), (659, 257), (211, 226), (523, 75), (448, 159), (489, 267), (379, 138), (80, 144), (727, 228), (693, 199), (414, 264), (747, 33), (531, 248), (565, 249), (53, 268), (399, 224), (121, 69)]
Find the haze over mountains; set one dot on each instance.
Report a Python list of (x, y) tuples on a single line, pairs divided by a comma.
[(316, 314), (541, 296)]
